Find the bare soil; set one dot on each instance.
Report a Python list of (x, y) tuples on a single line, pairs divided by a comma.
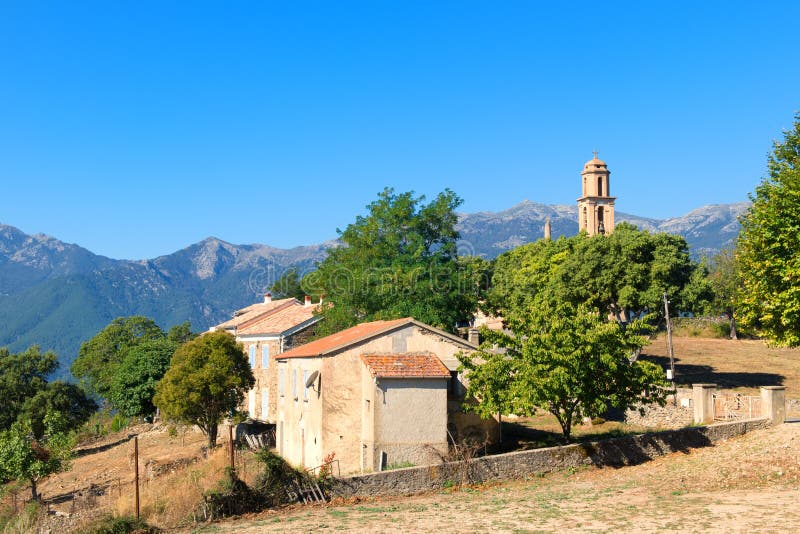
[(749, 483)]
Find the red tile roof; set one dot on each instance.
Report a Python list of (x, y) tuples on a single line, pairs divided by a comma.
[(405, 365), (362, 332), (342, 339)]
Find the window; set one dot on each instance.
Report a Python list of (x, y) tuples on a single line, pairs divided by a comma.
[(305, 381), (280, 381), (265, 356), (294, 384), (251, 403), (600, 186), (252, 356), (264, 403)]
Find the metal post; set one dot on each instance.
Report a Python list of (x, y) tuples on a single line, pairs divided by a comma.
[(669, 345), (136, 466)]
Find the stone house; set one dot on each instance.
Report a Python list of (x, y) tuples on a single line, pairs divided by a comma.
[(266, 329), (376, 394)]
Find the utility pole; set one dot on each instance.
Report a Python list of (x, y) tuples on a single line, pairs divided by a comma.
[(669, 342), (230, 441)]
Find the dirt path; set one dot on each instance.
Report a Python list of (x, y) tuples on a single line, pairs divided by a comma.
[(750, 483)]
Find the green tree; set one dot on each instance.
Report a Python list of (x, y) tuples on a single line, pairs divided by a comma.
[(289, 285), (99, 357), (181, 333), (207, 379), (768, 245), (68, 400), (22, 376), (725, 283), (26, 457), (629, 269), (399, 260), (564, 359), (134, 382)]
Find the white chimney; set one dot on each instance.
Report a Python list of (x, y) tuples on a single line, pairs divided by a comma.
[(267, 297), (308, 300)]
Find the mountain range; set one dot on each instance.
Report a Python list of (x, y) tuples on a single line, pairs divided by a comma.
[(58, 295)]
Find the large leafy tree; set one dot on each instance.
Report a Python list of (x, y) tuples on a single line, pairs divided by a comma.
[(628, 270), (768, 248), (134, 382), (67, 400), (564, 359), (399, 260), (22, 376), (99, 358), (207, 379), (289, 285)]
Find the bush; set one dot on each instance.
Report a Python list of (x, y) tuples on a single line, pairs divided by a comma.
[(231, 497), (119, 525), (272, 481)]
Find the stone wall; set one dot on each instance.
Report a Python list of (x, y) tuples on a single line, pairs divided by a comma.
[(677, 413), (522, 464)]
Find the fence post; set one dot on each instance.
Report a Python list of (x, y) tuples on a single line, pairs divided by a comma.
[(136, 476), (703, 401), (773, 403)]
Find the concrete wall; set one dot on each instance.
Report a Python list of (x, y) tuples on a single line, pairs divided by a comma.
[(519, 465)]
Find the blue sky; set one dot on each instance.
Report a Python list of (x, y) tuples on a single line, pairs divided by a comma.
[(137, 128)]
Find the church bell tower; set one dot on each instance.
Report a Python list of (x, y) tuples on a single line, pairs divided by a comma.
[(596, 205)]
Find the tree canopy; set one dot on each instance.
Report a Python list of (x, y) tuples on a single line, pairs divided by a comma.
[(399, 260), (628, 269), (22, 376), (99, 357), (725, 281), (134, 381), (565, 359), (207, 379), (768, 245), (26, 457), (125, 360)]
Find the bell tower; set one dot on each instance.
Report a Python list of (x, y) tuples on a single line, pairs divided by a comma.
[(596, 205)]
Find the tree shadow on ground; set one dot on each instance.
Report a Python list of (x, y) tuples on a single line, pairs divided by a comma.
[(100, 448), (688, 374), (520, 437)]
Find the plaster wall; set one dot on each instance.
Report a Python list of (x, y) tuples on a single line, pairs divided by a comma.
[(410, 421)]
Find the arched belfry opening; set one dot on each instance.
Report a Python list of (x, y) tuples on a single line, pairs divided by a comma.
[(596, 206)]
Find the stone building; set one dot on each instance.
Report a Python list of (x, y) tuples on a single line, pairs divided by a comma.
[(376, 394), (266, 329), (596, 205)]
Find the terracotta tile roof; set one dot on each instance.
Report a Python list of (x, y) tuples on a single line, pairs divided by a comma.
[(342, 339), (405, 365), (278, 321), (362, 332), (255, 311)]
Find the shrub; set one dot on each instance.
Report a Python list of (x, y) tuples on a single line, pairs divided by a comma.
[(231, 497), (119, 525), (276, 476)]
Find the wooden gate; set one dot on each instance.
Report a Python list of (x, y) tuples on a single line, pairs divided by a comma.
[(728, 407)]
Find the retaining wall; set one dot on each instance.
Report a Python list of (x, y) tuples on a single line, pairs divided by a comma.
[(628, 450)]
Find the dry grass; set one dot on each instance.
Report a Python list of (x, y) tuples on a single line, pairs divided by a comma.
[(744, 365), (749, 483)]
